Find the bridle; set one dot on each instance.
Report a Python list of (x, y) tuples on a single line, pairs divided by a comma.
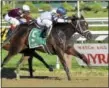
[(78, 27)]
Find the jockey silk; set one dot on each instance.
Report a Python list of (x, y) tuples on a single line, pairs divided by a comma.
[(47, 18), (14, 13), (46, 15)]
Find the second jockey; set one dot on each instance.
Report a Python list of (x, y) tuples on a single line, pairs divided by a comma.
[(14, 16)]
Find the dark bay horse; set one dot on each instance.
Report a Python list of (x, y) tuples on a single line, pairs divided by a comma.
[(57, 42)]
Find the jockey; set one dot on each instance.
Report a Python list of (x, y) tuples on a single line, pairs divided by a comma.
[(14, 16), (46, 19)]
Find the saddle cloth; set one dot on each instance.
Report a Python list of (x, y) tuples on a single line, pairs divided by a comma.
[(35, 38)]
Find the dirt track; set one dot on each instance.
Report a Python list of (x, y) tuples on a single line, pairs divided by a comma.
[(52, 79)]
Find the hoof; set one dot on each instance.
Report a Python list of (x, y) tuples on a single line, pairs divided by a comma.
[(17, 77), (69, 79), (50, 69), (31, 76)]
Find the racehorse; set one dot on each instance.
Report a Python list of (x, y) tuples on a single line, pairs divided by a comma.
[(57, 41)]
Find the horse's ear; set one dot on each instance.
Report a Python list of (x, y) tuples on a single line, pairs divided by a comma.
[(74, 17), (70, 17)]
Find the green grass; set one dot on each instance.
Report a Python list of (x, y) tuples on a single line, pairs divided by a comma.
[(90, 14), (35, 15), (50, 59), (98, 28)]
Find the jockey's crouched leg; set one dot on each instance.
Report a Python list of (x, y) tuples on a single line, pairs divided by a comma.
[(10, 30), (43, 33), (46, 32)]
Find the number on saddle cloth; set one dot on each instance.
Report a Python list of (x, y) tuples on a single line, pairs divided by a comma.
[(35, 39)]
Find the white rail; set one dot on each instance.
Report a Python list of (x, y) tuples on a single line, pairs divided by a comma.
[(97, 22)]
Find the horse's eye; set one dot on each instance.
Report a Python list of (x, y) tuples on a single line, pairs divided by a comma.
[(85, 23)]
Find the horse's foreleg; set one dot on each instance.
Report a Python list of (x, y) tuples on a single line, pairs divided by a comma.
[(19, 64), (18, 67), (73, 52), (6, 59), (42, 60), (60, 54)]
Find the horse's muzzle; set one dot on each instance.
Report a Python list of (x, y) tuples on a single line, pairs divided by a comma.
[(88, 35)]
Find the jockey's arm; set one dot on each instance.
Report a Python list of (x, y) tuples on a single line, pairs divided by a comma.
[(61, 20), (27, 17)]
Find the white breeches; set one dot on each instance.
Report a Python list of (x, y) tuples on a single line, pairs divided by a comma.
[(12, 20), (44, 22)]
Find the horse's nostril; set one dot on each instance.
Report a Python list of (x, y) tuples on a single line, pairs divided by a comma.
[(88, 35)]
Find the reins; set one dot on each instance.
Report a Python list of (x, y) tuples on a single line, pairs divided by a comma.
[(78, 25)]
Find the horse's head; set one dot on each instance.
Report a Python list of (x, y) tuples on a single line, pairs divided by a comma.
[(81, 26)]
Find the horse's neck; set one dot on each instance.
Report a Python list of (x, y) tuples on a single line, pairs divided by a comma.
[(69, 32)]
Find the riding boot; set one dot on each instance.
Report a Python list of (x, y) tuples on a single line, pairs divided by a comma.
[(11, 30), (43, 33)]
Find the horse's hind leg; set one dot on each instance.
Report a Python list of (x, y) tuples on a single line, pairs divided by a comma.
[(18, 67), (19, 64), (6, 59), (42, 60)]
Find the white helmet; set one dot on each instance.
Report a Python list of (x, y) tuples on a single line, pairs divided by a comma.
[(26, 8)]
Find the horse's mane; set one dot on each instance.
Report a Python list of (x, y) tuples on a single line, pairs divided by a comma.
[(73, 18), (59, 24)]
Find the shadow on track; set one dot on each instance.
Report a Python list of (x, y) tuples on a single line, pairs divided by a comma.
[(9, 73)]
